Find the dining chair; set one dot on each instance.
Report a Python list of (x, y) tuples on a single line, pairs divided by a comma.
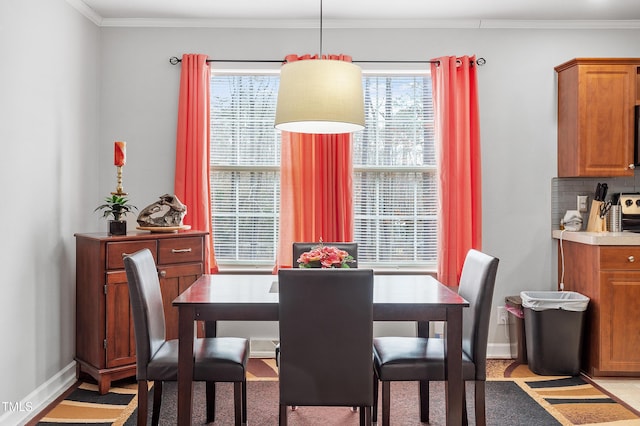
[(349, 247), (326, 329), (299, 248), (219, 359), (424, 359)]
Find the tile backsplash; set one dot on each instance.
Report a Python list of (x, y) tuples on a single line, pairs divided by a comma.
[(565, 191)]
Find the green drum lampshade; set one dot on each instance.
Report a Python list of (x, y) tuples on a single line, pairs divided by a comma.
[(321, 96)]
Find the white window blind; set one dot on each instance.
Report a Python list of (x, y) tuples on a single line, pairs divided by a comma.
[(394, 170), (395, 173), (245, 160)]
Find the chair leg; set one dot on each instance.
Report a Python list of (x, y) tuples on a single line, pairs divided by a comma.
[(365, 416), (386, 402), (157, 401), (237, 403), (210, 392), (481, 419), (375, 399), (244, 400), (465, 411), (424, 401), (143, 402), (282, 416)]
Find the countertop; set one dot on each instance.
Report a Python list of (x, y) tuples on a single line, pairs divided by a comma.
[(625, 238)]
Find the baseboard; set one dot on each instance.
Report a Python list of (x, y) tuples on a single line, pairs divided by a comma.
[(20, 412), (262, 348), (499, 351), (265, 348)]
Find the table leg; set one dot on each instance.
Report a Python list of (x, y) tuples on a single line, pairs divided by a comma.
[(423, 331), (210, 330), (185, 364), (454, 383)]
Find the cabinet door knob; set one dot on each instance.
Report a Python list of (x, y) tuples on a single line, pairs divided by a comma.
[(162, 273), (632, 166), (631, 259)]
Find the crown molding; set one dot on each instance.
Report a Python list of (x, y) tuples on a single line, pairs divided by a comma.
[(363, 24), (561, 24), (86, 11)]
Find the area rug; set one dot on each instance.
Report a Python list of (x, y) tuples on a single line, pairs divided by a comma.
[(514, 395), (572, 400)]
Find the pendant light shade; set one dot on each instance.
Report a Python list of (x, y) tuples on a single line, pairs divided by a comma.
[(320, 96)]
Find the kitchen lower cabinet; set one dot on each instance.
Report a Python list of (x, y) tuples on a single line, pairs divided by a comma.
[(105, 340), (610, 277)]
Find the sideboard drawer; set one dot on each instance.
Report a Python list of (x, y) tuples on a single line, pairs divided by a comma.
[(620, 257), (180, 250), (116, 250)]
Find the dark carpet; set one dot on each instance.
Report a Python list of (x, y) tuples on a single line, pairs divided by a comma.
[(514, 396), (507, 404)]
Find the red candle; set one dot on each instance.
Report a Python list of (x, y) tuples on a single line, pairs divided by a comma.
[(120, 154)]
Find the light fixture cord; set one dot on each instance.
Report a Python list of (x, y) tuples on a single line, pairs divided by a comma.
[(320, 29)]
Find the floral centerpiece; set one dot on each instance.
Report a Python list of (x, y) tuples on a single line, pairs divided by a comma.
[(325, 257)]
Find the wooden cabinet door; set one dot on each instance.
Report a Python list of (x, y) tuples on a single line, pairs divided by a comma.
[(174, 279), (620, 321), (120, 345), (596, 118), (606, 117)]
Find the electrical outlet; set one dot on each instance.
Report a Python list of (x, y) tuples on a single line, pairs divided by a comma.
[(582, 203), (503, 315)]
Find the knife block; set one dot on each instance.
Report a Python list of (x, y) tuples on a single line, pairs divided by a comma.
[(596, 223)]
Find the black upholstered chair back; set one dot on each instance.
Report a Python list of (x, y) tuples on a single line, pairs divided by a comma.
[(326, 322), (476, 286), (351, 248), (146, 307)]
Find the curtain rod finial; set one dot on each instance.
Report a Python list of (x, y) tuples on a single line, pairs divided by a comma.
[(174, 60)]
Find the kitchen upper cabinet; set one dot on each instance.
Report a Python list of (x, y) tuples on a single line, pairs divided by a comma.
[(596, 116)]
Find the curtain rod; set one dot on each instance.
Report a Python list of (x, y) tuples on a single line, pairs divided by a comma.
[(174, 60)]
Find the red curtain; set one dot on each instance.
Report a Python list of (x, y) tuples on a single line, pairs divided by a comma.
[(316, 187), (192, 150), (455, 97)]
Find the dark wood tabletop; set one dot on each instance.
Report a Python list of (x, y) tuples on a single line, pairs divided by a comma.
[(419, 298)]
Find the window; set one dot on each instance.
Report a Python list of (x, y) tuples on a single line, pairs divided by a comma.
[(394, 170)]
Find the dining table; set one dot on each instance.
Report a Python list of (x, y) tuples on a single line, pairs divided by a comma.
[(254, 297)]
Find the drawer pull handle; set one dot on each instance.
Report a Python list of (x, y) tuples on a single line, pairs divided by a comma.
[(162, 273), (631, 259), (125, 255), (187, 250)]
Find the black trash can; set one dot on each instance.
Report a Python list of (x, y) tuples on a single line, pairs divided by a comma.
[(554, 322)]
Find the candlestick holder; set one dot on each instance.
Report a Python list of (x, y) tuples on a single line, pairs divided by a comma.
[(119, 189)]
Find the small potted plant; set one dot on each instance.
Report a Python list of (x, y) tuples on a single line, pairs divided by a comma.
[(116, 206)]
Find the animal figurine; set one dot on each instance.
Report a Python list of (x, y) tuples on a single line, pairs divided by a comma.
[(169, 211)]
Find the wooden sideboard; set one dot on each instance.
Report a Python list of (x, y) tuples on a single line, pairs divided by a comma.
[(610, 276), (105, 341)]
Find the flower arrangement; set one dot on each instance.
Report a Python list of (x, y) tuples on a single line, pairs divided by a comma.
[(325, 257)]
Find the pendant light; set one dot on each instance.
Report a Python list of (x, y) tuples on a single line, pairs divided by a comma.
[(321, 96)]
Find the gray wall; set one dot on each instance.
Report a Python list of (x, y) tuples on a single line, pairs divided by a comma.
[(517, 108), (49, 83), (70, 88)]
